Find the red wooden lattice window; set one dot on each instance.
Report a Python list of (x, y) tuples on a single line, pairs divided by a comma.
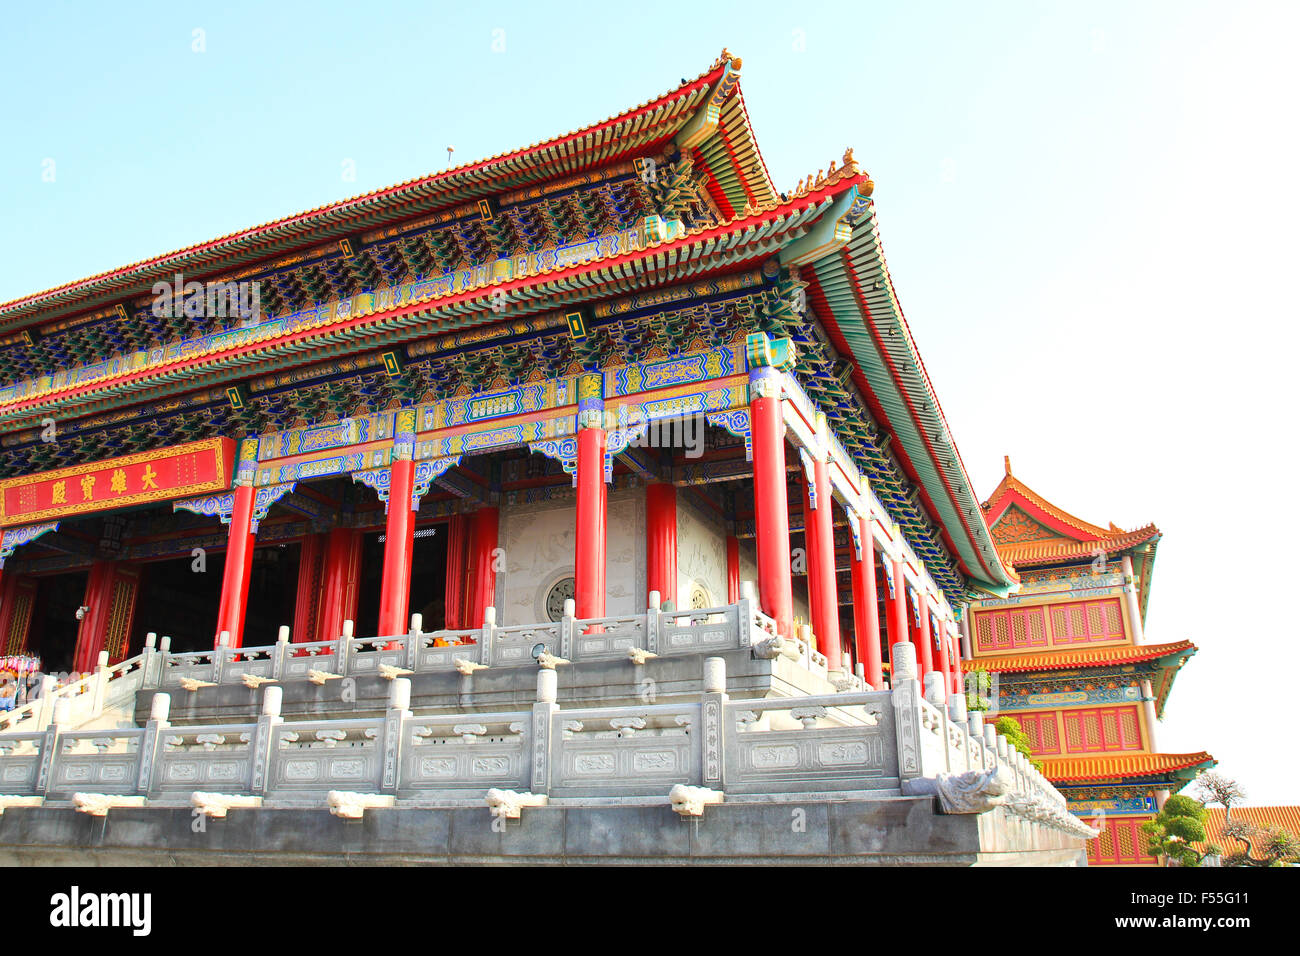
[(1084, 621), (1041, 731), (1121, 843), (1101, 729), (1011, 629)]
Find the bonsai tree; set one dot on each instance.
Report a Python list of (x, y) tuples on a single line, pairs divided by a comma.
[(1213, 787), (1010, 728), (1261, 845), (1173, 831), (1258, 845)]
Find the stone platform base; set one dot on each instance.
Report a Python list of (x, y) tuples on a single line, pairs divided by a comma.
[(897, 831)]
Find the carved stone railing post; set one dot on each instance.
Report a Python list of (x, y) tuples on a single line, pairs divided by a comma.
[(936, 696), (654, 601), (713, 705), (149, 662), (219, 655), (567, 629), (264, 739), (154, 729), (906, 695), (164, 652), (543, 714), (957, 714), (745, 621), (342, 647), (488, 637), (395, 717), (50, 742), (46, 715), (281, 652), (413, 641), (975, 725), (99, 684)]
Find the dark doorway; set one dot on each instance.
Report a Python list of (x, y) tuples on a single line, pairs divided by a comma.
[(180, 601), (53, 634), (428, 579), (272, 592), (372, 572), (429, 576)]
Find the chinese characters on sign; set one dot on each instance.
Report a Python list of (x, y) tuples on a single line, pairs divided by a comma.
[(195, 468)]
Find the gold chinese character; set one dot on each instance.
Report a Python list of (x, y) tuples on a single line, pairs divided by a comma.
[(60, 493), (149, 476), (118, 481), (87, 487)]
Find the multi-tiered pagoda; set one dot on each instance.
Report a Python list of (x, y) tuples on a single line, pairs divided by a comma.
[(1074, 668)]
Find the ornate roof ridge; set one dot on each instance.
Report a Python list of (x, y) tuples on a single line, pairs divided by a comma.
[(249, 232)]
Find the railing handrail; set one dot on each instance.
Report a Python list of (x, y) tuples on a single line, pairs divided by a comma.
[(939, 740)]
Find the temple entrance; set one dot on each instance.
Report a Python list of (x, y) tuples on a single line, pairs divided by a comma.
[(54, 627), (272, 592), (179, 602), (428, 578)]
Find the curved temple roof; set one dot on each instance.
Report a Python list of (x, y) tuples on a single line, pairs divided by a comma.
[(1032, 532), (827, 230), (632, 132)]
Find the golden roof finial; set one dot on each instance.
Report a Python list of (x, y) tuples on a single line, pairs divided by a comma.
[(1006, 462)]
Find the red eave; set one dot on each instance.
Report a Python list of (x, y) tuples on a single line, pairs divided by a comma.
[(1080, 658), (1120, 766)]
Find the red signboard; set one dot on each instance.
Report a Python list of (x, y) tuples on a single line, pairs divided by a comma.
[(196, 468)]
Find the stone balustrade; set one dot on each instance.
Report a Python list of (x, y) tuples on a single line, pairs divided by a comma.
[(654, 633), (88, 697), (854, 743)]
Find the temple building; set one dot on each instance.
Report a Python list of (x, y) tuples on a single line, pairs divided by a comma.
[(562, 362), (605, 402), (1074, 667)]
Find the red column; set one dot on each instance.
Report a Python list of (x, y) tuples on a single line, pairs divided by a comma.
[(482, 575), (819, 537), (942, 665), (454, 591), (338, 585), (661, 540), (771, 514), (98, 600), (239, 556), (898, 607), (307, 603), (395, 588), (954, 660), (733, 569), (589, 561), (924, 650), (866, 612)]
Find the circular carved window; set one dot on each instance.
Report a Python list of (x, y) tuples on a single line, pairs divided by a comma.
[(699, 598), (560, 592)]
